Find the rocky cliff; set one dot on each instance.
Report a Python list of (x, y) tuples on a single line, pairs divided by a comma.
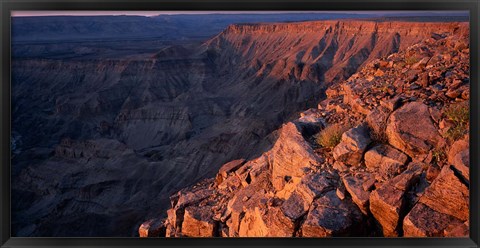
[(399, 167), (101, 144)]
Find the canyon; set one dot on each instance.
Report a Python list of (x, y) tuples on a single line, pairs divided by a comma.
[(103, 143)]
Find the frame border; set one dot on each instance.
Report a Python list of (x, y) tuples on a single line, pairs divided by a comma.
[(473, 6)]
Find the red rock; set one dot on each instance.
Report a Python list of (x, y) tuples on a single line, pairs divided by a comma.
[(458, 156), (423, 221), (432, 172), (411, 130), (198, 222), (392, 104), (352, 146), (192, 197), (152, 228), (385, 159), (268, 223), (329, 217), (448, 195), (387, 203), (377, 121), (354, 186), (290, 156), (459, 231), (227, 168)]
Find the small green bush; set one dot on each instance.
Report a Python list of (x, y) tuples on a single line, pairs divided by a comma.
[(331, 135), (458, 114)]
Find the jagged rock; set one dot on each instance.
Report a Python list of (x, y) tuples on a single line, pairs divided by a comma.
[(411, 130), (448, 195), (385, 159), (458, 156), (354, 186), (227, 168), (352, 145), (250, 197), (310, 187), (295, 206), (329, 216), (232, 183), (387, 203), (432, 172), (198, 222), (339, 166), (392, 104), (315, 184), (459, 231), (423, 221), (152, 228), (267, 223), (191, 197), (290, 156), (377, 121)]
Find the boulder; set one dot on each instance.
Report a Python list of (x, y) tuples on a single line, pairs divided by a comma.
[(458, 156), (187, 198), (411, 130), (388, 204), (296, 206), (385, 160), (248, 198), (458, 231), (352, 146), (198, 222), (152, 228), (310, 187), (315, 184), (330, 216), (392, 104), (270, 222), (448, 195), (423, 221), (354, 186), (377, 121), (227, 168), (291, 156)]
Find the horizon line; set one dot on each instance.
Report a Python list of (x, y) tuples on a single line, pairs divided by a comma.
[(41, 13)]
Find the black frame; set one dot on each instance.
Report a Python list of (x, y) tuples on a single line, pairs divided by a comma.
[(473, 6)]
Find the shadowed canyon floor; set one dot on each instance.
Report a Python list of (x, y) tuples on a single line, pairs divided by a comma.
[(102, 142)]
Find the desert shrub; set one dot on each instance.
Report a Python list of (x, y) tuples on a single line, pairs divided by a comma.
[(331, 135), (411, 60), (459, 115), (438, 156)]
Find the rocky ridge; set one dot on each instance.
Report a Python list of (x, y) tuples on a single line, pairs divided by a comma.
[(401, 169)]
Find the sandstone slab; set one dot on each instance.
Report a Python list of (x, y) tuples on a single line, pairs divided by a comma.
[(386, 160), (423, 221), (330, 216), (387, 203), (411, 130), (448, 195), (353, 144), (354, 186), (198, 222)]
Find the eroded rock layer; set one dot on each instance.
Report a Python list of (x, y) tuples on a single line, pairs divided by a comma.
[(400, 168)]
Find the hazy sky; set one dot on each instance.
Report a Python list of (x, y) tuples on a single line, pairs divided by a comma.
[(154, 13)]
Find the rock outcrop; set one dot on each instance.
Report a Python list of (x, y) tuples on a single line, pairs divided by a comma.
[(395, 173)]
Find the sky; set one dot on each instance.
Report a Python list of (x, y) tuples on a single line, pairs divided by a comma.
[(155, 13)]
